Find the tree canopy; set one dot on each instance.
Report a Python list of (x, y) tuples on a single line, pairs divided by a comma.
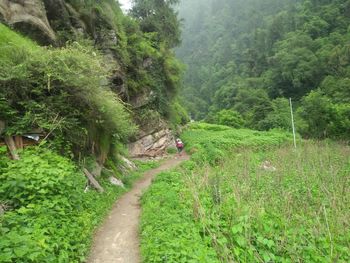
[(245, 54)]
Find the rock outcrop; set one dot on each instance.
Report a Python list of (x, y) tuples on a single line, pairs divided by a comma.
[(152, 145), (126, 166), (56, 21), (29, 16)]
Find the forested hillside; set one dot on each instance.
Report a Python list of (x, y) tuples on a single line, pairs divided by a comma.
[(79, 80), (103, 73), (85, 88), (246, 58)]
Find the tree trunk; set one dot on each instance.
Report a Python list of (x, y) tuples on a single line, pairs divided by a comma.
[(19, 142), (12, 147), (93, 180), (2, 126)]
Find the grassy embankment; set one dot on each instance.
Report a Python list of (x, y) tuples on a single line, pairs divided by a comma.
[(223, 206)]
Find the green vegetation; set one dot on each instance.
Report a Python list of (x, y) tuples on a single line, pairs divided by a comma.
[(88, 90), (50, 218), (86, 94), (168, 233), (171, 150), (229, 118), (209, 143), (60, 91), (250, 56), (152, 13), (260, 201), (245, 195)]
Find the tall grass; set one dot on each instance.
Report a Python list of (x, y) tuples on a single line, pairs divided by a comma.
[(297, 213), (252, 197)]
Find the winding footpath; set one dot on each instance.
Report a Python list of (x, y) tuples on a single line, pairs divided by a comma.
[(117, 240)]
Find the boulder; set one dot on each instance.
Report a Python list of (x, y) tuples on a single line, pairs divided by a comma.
[(152, 145), (96, 169), (29, 17), (116, 181), (142, 99), (127, 163), (126, 166)]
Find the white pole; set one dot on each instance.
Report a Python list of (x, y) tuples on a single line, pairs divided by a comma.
[(291, 112)]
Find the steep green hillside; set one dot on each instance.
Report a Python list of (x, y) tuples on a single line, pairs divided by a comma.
[(249, 57), (62, 91), (105, 74)]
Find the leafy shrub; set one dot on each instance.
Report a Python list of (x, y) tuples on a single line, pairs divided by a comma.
[(279, 117), (229, 118), (178, 115), (38, 177), (64, 91), (3, 158), (50, 218), (323, 118)]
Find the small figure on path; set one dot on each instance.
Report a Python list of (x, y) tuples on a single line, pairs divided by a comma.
[(179, 146)]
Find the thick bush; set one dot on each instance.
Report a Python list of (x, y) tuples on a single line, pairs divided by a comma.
[(322, 117), (63, 91), (178, 115), (49, 217), (229, 118)]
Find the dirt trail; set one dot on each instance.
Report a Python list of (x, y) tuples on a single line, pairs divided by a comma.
[(118, 239)]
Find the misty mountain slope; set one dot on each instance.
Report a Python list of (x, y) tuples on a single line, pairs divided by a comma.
[(250, 56)]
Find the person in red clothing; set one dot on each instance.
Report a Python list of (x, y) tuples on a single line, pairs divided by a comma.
[(179, 146)]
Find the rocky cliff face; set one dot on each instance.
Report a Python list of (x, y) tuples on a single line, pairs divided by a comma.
[(152, 145), (53, 22), (28, 16)]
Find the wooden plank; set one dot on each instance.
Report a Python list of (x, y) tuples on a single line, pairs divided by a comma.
[(12, 147), (92, 180)]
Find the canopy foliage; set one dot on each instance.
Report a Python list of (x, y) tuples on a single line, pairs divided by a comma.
[(244, 54)]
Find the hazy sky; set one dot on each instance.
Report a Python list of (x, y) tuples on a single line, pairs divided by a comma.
[(126, 4)]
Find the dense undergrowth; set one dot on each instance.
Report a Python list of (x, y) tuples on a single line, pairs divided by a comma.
[(97, 84), (64, 92), (250, 201), (49, 217)]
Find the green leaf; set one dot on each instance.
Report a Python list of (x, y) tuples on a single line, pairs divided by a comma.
[(237, 229)]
